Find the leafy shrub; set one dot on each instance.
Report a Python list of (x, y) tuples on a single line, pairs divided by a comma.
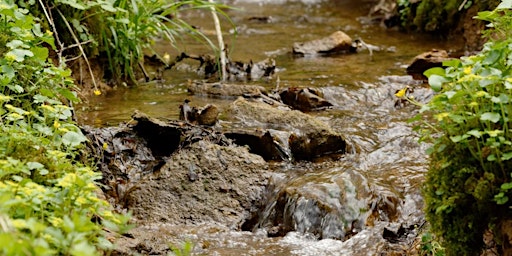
[(469, 181), (48, 201)]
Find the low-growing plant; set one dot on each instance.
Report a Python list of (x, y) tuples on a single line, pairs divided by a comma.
[(48, 196), (469, 183)]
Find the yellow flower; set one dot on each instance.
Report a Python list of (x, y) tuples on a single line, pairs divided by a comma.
[(473, 104), (167, 58), (48, 107), (15, 116), (97, 92), (10, 56), (4, 98), (441, 116), (56, 124), (55, 221), (49, 32), (19, 223), (67, 181), (105, 146), (80, 200), (401, 93), (467, 70), (481, 93)]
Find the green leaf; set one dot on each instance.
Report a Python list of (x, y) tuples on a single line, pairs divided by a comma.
[(475, 133), (506, 186), (507, 156), (490, 116), (34, 165), (19, 54), (435, 71), (73, 139), (459, 138), (451, 63), (492, 57), (501, 198), (436, 82)]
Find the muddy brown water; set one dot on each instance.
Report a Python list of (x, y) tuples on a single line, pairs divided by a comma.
[(385, 154)]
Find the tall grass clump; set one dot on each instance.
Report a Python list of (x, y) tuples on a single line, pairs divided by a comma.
[(48, 195), (117, 33)]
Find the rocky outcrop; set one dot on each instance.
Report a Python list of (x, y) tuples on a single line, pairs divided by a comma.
[(307, 137), (335, 43)]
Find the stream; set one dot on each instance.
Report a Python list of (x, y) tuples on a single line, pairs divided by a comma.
[(385, 165)]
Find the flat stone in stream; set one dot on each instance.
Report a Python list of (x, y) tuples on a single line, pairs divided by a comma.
[(335, 43)]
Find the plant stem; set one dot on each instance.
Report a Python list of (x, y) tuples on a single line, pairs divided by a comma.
[(222, 49)]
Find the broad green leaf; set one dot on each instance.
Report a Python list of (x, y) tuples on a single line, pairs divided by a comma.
[(506, 186), (34, 165), (451, 63), (475, 133), (436, 82), (492, 57), (435, 71), (501, 198), (73, 139), (490, 116), (19, 54), (459, 138), (505, 157)]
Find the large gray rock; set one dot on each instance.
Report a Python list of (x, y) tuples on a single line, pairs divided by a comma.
[(308, 137)]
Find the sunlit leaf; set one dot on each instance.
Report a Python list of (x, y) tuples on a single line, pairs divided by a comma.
[(434, 71), (475, 133), (490, 116), (507, 156), (73, 139), (436, 82)]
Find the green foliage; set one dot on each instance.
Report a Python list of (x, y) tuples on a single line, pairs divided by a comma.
[(120, 31), (430, 245), (436, 15), (48, 201), (469, 181)]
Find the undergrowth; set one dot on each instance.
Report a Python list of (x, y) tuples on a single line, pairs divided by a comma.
[(468, 187), (48, 193)]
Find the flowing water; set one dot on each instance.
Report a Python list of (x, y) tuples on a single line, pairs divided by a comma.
[(373, 188)]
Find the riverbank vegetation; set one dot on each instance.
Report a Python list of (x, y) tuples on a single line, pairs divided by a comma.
[(437, 16), (49, 197), (468, 189)]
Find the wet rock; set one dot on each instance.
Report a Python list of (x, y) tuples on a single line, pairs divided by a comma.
[(311, 137), (425, 61), (225, 90), (163, 138), (259, 142), (336, 42), (304, 99), (333, 205), (226, 187)]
